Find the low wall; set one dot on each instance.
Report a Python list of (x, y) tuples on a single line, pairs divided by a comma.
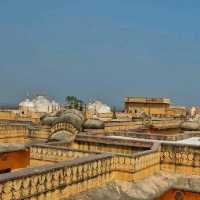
[(120, 126), (58, 180), (180, 154), (133, 168), (39, 132), (128, 125), (13, 133), (113, 145), (180, 159), (67, 178), (48, 153)]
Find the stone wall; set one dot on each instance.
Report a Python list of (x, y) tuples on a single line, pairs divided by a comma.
[(13, 133), (18, 132), (133, 168), (180, 159), (67, 178), (127, 125), (113, 145), (58, 180), (70, 177), (41, 154)]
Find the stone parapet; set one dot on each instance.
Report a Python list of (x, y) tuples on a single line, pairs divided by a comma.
[(54, 181), (56, 154), (180, 154)]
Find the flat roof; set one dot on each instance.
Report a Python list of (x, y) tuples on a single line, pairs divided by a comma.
[(136, 99)]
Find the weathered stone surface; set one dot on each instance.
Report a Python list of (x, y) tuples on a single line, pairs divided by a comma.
[(48, 120), (190, 126), (72, 116), (93, 124), (63, 136), (150, 188)]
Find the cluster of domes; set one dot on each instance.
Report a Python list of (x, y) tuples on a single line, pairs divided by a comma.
[(39, 104), (71, 116), (74, 117)]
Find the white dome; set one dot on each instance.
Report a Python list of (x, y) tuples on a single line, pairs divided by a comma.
[(99, 107), (40, 104), (26, 103)]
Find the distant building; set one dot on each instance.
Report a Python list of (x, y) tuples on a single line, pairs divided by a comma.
[(151, 106), (39, 104), (176, 111), (98, 107)]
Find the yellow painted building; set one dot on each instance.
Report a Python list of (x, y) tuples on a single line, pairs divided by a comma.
[(151, 106), (176, 111), (17, 115)]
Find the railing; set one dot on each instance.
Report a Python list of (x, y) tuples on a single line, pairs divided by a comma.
[(7, 131), (113, 141), (138, 162), (55, 154), (57, 180), (66, 178), (179, 154), (54, 179)]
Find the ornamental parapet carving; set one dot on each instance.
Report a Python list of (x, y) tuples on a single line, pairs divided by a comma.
[(97, 167), (136, 162), (187, 155), (31, 182), (54, 153)]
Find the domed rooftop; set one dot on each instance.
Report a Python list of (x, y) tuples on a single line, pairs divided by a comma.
[(63, 136), (71, 116), (40, 104), (26, 103), (76, 112), (190, 126), (48, 120), (93, 124), (99, 107)]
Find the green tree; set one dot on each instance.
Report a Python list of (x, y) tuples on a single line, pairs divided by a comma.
[(74, 102)]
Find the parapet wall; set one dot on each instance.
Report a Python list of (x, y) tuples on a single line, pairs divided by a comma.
[(13, 133), (67, 178), (58, 180), (113, 145), (187, 155), (180, 159), (47, 153), (128, 125)]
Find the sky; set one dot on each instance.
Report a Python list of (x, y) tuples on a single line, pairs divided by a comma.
[(100, 49)]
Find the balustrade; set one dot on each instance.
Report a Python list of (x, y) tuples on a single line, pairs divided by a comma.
[(186, 155), (55, 154), (33, 182)]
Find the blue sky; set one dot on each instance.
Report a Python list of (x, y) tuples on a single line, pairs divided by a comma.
[(103, 49)]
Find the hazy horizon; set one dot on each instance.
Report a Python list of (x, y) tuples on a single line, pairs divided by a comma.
[(100, 50)]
